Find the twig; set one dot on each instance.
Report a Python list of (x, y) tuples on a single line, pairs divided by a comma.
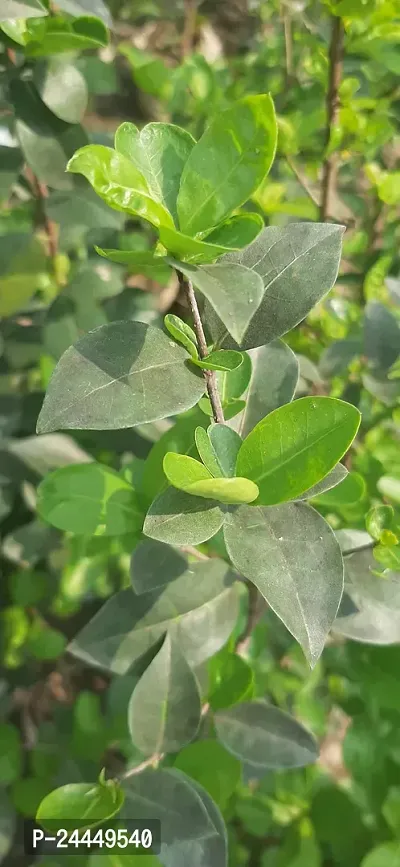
[(189, 27), (40, 193), (302, 180), (256, 608), (152, 762), (329, 173), (209, 375), (287, 30)]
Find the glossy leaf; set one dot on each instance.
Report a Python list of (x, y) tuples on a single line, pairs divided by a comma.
[(188, 249), (191, 476), (63, 35), (159, 151), (296, 446), (89, 499), (199, 610), (234, 292), (274, 376), (227, 164), (265, 736), (291, 554), (155, 564), (231, 680), (117, 376), (21, 9), (80, 805), (62, 88), (119, 183), (165, 707), (220, 359), (145, 263), (182, 333), (237, 232), (182, 471), (298, 265), (226, 444)]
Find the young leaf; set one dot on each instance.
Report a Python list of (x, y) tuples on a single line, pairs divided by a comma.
[(232, 384), (226, 443), (295, 446), (155, 564), (165, 707), (188, 249), (292, 556), (89, 499), (230, 491), (207, 762), (159, 151), (118, 183), (182, 332), (199, 610), (80, 805), (207, 452), (237, 232), (234, 292), (265, 736), (227, 164), (274, 376), (178, 438), (298, 266), (221, 359), (117, 376), (182, 471), (138, 262)]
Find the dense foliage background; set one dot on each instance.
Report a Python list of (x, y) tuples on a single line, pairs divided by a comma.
[(70, 72)]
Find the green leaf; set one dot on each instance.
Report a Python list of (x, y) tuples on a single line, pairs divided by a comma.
[(89, 499), (381, 336), (188, 249), (348, 492), (22, 260), (165, 707), (207, 452), (182, 333), (221, 359), (231, 680), (159, 152), (276, 365), (199, 610), (119, 183), (179, 518), (10, 754), (264, 736), (379, 518), (178, 438), (80, 805), (232, 384), (298, 265), (154, 565), (7, 824), (237, 232), (384, 855), (59, 35), (233, 291), (335, 477), (227, 164), (291, 554), (226, 444), (212, 766), (296, 445), (62, 88), (155, 267), (191, 476), (21, 9), (389, 486), (117, 376)]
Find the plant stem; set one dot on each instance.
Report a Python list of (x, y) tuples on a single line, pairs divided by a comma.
[(40, 192), (329, 173), (256, 608), (189, 27), (209, 375)]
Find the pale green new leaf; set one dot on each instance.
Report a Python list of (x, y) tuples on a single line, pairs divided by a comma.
[(234, 292), (155, 267), (165, 707), (237, 232), (119, 183), (118, 376), (296, 446), (188, 249), (182, 333), (89, 499), (221, 359), (159, 151), (193, 477), (291, 554), (227, 164), (265, 736), (199, 610)]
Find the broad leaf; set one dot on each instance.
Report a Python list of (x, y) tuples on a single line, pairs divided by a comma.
[(182, 471), (119, 183), (207, 452), (298, 265), (87, 7), (207, 762), (145, 263), (207, 851), (226, 444), (230, 491), (274, 376), (182, 333), (155, 564), (330, 481), (21, 9), (296, 446), (159, 151), (231, 680), (191, 476), (62, 88), (353, 540), (117, 376), (227, 164), (178, 438), (381, 336), (60, 34), (221, 359), (89, 499), (291, 554), (348, 492), (265, 736), (233, 384), (199, 610), (188, 249), (165, 707), (237, 232), (234, 292), (370, 625), (82, 805)]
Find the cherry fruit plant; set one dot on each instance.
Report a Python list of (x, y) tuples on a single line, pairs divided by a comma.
[(218, 515)]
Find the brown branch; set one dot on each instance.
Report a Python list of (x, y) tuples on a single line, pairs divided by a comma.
[(209, 375), (330, 167), (287, 30), (256, 608), (189, 27), (302, 180), (40, 193)]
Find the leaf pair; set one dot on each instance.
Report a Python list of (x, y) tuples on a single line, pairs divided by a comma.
[(222, 359)]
